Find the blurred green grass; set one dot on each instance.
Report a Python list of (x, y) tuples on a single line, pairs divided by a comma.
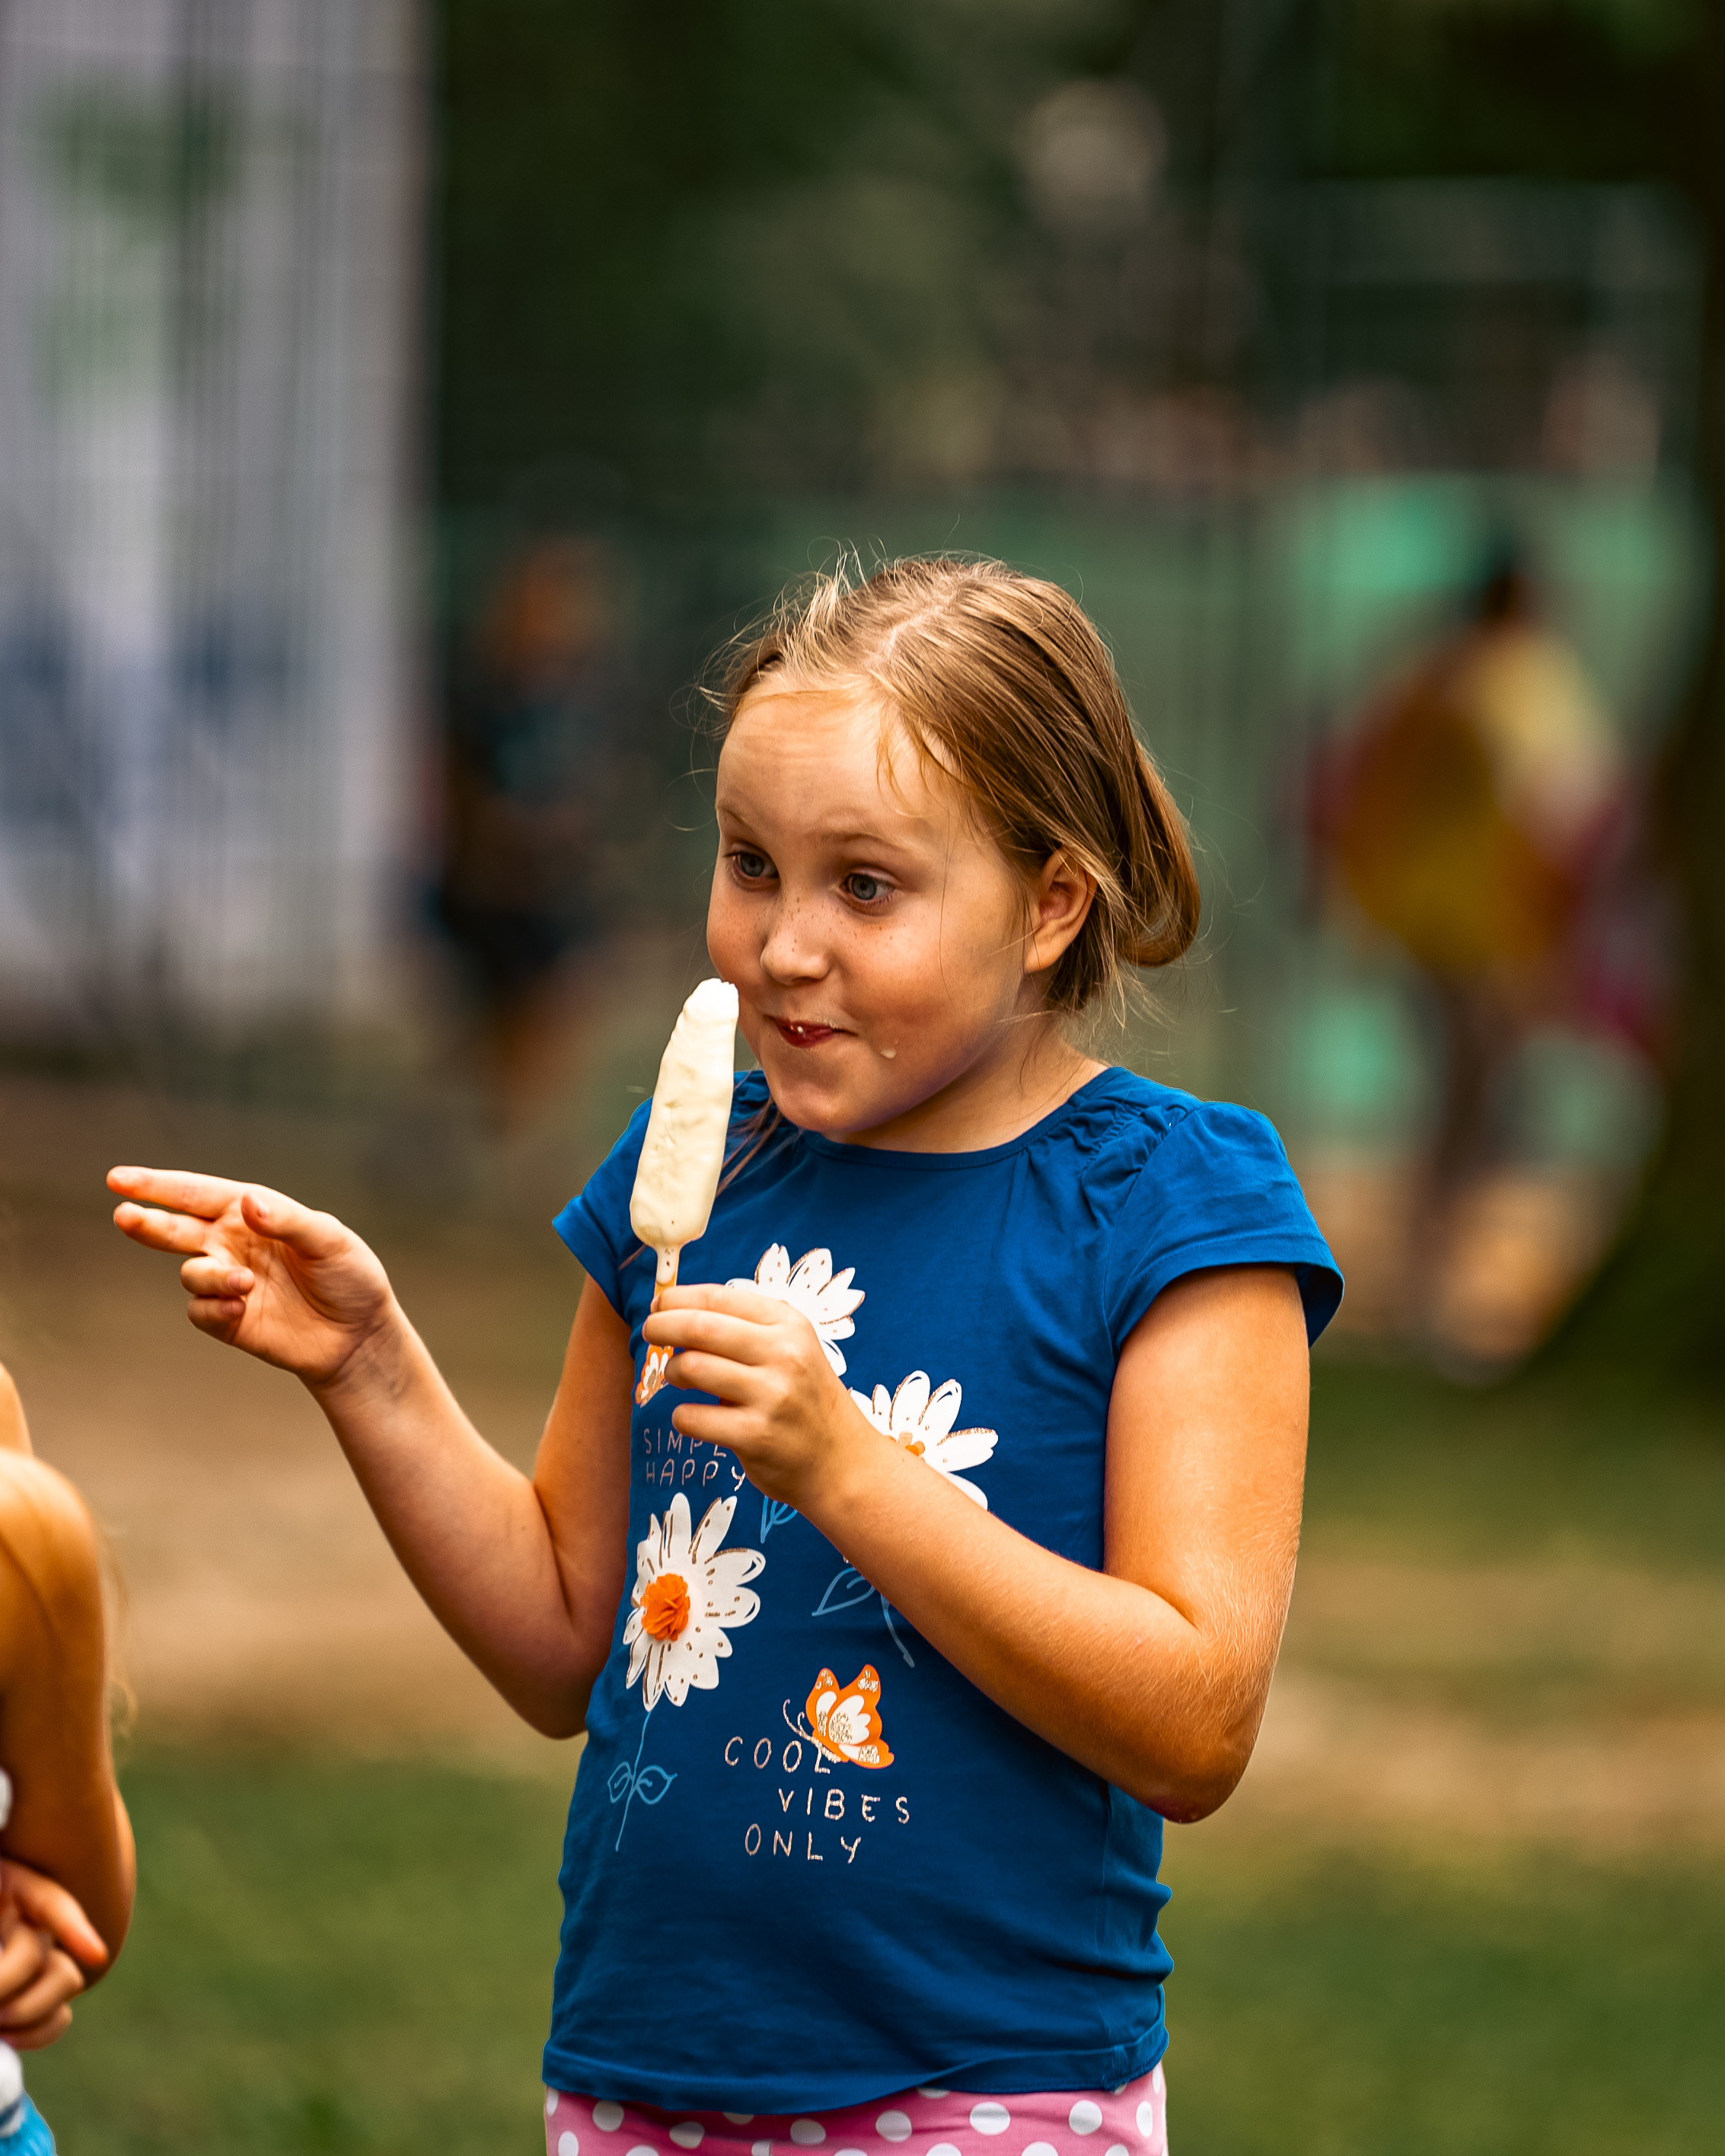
[(345, 1957), (328, 1954), (1542, 1553), (1332, 2001), (1550, 1466), (332, 1954)]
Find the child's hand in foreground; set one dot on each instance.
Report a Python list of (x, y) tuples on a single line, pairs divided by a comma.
[(781, 1407), (45, 1938), (264, 1273)]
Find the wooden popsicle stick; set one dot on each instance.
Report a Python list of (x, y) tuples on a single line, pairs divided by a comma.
[(658, 1360)]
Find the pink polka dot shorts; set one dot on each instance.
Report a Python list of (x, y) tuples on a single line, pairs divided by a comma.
[(925, 2122)]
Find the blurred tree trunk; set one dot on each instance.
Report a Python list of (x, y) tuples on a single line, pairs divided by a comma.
[(1657, 1310)]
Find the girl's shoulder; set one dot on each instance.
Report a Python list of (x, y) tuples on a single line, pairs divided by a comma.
[(1183, 1184), (1121, 1126)]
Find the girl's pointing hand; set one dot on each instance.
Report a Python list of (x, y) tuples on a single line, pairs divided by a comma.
[(780, 1407), (264, 1273)]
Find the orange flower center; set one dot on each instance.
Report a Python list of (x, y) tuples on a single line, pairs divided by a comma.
[(914, 1445), (665, 1607)]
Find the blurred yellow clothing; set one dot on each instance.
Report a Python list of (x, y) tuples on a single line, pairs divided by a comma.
[(1469, 798)]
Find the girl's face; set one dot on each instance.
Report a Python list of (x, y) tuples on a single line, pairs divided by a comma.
[(889, 959)]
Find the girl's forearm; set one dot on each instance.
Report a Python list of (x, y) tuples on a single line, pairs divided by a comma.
[(467, 1527), (67, 1821), (1110, 1671), (126, 1887)]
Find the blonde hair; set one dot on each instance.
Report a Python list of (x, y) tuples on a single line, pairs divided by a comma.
[(1002, 681)]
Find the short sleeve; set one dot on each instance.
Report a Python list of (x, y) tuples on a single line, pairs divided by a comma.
[(1217, 1190), (595, 1226)]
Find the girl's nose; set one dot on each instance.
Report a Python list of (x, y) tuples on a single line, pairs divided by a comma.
[(790, 953)]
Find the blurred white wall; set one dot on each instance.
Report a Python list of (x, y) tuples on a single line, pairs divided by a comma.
[(209, 254)]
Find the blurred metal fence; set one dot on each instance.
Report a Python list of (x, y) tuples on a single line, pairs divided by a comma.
[(208, 252), (1476, 324)]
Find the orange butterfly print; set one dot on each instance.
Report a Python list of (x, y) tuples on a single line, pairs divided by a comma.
[(846, 1719)]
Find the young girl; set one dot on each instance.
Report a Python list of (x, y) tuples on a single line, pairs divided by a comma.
[(964, 1560)]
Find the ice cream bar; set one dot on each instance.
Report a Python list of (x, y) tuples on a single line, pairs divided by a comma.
[(684, 1151)]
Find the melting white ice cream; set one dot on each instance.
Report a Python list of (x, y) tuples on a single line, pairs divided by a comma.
[(684, 1151)]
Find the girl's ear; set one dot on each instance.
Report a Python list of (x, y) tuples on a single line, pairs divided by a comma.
[(1061, 896)]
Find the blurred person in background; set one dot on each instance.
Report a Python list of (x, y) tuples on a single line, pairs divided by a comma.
[(1472, 814), (528, 764), (65, 1841)]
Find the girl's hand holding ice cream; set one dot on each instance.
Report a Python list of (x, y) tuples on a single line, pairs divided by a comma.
[(779, 1406)]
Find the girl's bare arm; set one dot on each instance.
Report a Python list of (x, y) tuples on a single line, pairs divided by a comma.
[(524, 1573), (69, 1874), (1153, 1672)]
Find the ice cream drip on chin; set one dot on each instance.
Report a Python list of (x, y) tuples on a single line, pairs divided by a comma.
[(683, 1153)]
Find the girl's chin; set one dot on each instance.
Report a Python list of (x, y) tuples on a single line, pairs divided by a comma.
[(821, 1096)]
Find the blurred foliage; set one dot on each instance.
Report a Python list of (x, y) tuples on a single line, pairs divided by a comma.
[(672, 240), (750, 245), (692, 260), (1568, 89)]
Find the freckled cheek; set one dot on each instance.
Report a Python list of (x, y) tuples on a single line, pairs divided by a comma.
[(892, 979), (732, 941), (929, 971)]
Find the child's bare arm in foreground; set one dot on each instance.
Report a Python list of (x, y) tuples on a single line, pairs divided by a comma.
[(524, 1573), (68, 1848)]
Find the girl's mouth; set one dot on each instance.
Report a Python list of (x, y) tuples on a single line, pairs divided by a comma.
[(806, 1036)]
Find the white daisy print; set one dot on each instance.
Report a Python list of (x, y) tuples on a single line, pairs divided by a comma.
[(922, 1422), (687, 1591), (825, 1298)]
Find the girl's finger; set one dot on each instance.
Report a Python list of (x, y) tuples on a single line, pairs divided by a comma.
[(21, 1961), (216, 1276), (161, 1231), (179, 1189), (45, 1903), (693, 1371), (707, 1423), (219, 1316), (745, 1303), (41, 2034), (60, 1979), (737, 1339), (285, 1220)]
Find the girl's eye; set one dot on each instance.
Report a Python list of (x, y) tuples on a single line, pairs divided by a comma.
[(867, 890), (749, 866)]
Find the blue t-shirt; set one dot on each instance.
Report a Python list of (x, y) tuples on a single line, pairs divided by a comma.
[(807, 1862)]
